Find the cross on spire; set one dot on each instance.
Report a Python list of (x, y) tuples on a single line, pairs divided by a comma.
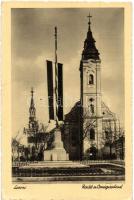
[(89, 16)]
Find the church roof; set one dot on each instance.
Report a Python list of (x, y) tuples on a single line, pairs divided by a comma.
[(90, 51), (106, 112), (74, 114)]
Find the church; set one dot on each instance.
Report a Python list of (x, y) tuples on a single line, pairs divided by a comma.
[(90, 127)]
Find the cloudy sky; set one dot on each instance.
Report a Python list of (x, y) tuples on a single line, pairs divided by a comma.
[(33, 42)]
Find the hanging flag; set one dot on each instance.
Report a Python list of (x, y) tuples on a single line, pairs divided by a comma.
[(60, 92), (50, 89)]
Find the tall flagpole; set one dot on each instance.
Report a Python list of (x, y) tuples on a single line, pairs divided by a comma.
[(56, 77)]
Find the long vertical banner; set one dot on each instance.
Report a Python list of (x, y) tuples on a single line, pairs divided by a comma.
[(50, 89), (60, 92)]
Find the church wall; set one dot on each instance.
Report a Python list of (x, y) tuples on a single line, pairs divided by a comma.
[(71, 140)]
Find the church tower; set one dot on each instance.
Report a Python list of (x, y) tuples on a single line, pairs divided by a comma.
[(90, 75)]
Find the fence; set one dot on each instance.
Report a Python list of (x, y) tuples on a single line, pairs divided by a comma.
[(90, 168)]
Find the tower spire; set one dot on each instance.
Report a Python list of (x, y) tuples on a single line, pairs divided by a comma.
[(32, 91), (32, 110), (90, 51)]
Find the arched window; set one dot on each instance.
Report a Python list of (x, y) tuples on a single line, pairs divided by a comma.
[(91, 79), (92, 134), (106, 135), (92, 108)]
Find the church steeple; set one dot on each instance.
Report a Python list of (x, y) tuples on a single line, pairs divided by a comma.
[(90, 51), (90, 75), (32, 110)]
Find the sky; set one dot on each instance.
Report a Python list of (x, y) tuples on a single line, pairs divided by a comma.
[(32, 43)]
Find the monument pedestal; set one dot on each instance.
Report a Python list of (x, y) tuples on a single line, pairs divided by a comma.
[(58, 153)]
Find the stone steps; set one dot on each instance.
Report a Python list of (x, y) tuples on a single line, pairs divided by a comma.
[(54, 164), (65, 168), (29, 172)]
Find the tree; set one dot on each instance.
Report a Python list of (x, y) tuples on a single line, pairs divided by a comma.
[(120, 143), (88, 123), (15, 146)]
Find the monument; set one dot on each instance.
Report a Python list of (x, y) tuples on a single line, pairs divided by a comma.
[(55, 97)]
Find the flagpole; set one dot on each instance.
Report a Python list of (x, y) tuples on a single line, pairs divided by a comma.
[(56, 78)]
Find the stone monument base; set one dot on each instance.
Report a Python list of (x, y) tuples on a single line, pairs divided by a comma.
[(58, 152), (55, 155)]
